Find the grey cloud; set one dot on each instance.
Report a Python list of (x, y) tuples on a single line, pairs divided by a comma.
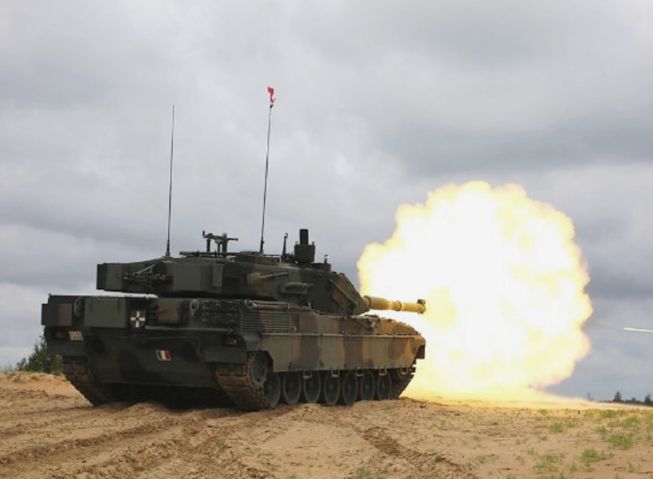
[(572, 94), (38, 258)]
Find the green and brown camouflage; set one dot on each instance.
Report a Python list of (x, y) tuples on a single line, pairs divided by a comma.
[(242, 328)]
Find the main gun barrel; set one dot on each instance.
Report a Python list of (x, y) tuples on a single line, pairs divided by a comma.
[(377, 303)]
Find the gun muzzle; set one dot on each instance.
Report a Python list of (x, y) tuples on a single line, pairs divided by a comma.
[(382, 304)]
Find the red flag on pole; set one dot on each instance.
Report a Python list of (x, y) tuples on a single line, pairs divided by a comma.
[(272, 97)]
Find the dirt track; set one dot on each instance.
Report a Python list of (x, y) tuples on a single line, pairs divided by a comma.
[(48, 430)]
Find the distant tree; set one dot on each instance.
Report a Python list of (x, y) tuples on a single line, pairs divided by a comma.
[(647, 400), (39, 360), (617, 397), (589, 397)]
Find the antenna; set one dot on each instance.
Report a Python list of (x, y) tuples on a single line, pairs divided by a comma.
[(172, 152), (267, 157), (283, 251)]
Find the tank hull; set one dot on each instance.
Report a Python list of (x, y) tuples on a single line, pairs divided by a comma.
[(232, 347)]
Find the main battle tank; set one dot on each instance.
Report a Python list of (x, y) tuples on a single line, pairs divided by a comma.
[(241, 328)]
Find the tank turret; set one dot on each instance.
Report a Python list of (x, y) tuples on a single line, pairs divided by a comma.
[(219, 273)]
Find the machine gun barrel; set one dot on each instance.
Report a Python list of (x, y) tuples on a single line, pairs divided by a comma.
[(377, 303)]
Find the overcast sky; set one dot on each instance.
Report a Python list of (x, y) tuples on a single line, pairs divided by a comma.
[(379, 103)]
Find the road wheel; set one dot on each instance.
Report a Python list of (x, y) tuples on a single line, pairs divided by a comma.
[(330, 388), (383, 387), (367, 387), (291, 387), (348, 389), (272, 389), (311, 387)]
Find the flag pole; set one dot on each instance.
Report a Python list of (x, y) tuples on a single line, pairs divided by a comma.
[(172, 152), (267, 160)]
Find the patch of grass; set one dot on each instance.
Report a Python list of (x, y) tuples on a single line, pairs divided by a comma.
[(603, 432), (558, 427), (612, 413), (521, 440), (483, 458), (548, 463), (363, 473), (592, 456), (543, 412), (609, 414), (567, 423), (632, 423), (621, 441)]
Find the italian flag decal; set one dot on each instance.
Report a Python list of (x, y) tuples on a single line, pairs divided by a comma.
[(163, 355)]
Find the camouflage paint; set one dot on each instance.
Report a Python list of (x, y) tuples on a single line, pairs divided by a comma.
[(208, 312)]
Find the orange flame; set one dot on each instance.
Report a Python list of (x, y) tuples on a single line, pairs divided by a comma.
[(504, 285)]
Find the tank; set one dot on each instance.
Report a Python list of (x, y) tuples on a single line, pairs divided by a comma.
[(232, 328)]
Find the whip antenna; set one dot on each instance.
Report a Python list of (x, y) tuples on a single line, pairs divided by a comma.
[(172, 152), (267, 157)]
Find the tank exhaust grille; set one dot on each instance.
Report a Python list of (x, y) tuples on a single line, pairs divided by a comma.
[(266, 321)]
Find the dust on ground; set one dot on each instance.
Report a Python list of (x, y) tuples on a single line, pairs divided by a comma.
[(48, 430)]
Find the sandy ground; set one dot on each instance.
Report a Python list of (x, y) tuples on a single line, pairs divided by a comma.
[(48, 430)]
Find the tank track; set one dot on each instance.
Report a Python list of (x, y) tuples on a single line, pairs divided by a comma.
[(237, 383), (400, 382), (234, 380), (79, 374), (398, 387)]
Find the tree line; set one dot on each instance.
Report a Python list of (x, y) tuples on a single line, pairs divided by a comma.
[(39, 360), (646, 402)]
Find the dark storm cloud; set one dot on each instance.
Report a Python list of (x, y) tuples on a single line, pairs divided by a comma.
[(379, 103)]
